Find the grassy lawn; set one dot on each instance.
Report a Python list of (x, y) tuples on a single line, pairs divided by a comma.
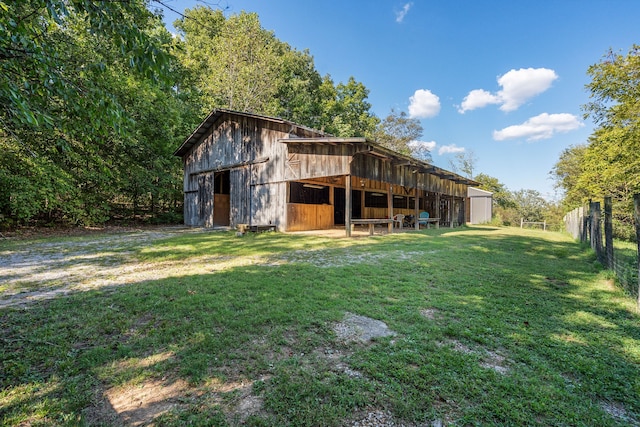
[(492, 326)]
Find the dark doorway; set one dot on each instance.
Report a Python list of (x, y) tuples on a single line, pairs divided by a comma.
[(338, 205), (356, 204)]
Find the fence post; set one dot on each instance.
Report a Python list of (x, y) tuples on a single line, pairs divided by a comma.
[(596, 231), (636, 205), (608, 231), (583, 230)]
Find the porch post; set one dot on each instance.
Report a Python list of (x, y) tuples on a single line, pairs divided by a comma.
[(451, 208), (390, 206), (347, 205), (416, 225)]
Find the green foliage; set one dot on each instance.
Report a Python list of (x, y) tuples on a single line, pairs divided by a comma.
[(97, 95), (235, 63), (568, 172), (89, 112), (397, 130), (501, 195), (346, 110), (464, 163), (530, 205), (609, 164)]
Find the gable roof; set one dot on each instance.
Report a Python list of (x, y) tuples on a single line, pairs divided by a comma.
[(206, 124)]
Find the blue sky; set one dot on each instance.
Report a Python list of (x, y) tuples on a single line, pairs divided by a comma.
[(503, 80)]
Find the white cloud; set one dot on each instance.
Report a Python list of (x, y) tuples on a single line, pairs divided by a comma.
[(403, 12), (453, 148), (422, 145), (423, 104), (478, 98), (518, 86), (543, 126)]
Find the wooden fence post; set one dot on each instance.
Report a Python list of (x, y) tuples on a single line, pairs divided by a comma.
[(608, 231), (596, 232), (585, 226), (636, 205)]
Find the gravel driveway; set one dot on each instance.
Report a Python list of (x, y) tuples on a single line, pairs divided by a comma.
[(42, 270)]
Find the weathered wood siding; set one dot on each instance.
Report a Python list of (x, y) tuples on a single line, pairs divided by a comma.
[(268, 203), (309, 217), (235, 143), (316, 161)]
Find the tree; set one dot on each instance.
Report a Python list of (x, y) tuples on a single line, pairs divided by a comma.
[(465, 163), (397, 130), (66, 70), (609, 164), (501, 195), (235, 63), (568, 172), (530, 205), (346, 112), (38, 64)]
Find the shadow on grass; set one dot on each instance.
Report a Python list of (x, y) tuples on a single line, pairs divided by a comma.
[(263, 332)]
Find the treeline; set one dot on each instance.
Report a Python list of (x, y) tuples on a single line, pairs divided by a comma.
[(96, 96), (608, 164)]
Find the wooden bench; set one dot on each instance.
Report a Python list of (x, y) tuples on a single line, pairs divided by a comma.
[(372, 222), (435, 221)]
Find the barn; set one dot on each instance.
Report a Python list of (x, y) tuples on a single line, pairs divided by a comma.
[(243, 168)]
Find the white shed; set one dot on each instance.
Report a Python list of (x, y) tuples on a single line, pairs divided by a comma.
[(480, 205)]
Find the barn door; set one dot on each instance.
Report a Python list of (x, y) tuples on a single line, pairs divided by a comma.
[(221, 196), (205, 200)]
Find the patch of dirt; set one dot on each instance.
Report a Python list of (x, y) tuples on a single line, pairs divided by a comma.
[(617, 411), (354, 328), (333, 258), (488, 359), (431, 313), (137, 405), (381, 418)]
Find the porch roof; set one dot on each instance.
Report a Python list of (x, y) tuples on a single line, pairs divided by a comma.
[(365, 146)]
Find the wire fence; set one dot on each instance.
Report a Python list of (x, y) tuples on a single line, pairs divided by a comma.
[(587, 224)]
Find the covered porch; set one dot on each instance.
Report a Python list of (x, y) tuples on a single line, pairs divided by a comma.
[(352, 181)]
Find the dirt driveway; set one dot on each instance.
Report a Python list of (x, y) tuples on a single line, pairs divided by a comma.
[(42, 270)]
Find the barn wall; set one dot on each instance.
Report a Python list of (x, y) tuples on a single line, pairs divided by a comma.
[(249, 149), (268, 204), (315, 161)]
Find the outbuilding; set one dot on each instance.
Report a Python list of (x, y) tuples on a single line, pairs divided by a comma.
[(243, 168), (480, 206)]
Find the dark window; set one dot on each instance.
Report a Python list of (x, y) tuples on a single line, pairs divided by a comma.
[(310, 194), (399, 202), (373, 199), (222, 183)]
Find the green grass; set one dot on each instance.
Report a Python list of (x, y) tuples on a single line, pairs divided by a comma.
[(494, 326)]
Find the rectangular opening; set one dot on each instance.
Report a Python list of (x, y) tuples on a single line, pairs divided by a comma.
[(310, 194), (374, 199)]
